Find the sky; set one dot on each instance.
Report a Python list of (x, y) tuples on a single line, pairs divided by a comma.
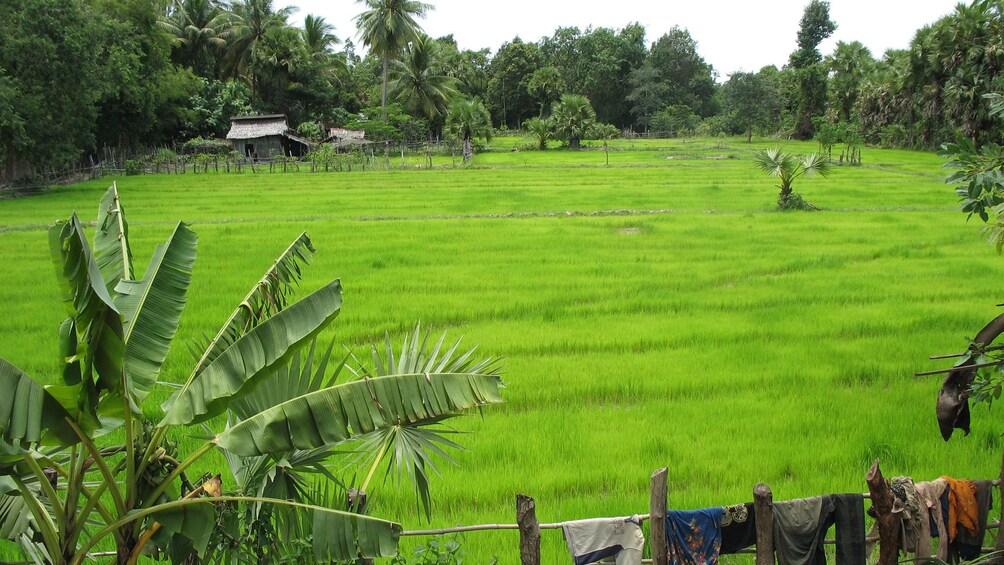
[(732, 35)]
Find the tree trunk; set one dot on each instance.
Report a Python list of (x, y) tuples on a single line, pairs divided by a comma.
[(383, 99), (749, 136), (888, 520), (573, 143), (468, 152)]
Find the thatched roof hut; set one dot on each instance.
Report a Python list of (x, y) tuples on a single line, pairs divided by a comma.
[(263, 137)]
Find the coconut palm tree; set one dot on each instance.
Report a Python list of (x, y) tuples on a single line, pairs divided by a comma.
[(386, 27), (469, 119), (419, 82), (787, 168), (198, 30), (256, 29), (572, 117)]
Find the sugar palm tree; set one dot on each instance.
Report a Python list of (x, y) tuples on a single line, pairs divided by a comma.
[(419, 82), (787, 168), (386, 27), (572, 117), (469, 119)]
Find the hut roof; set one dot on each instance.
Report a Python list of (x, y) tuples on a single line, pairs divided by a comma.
[(341, 133), (251, 127)]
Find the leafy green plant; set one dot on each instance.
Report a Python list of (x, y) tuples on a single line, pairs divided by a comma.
[(80, 487), (441, 550), (134, 167), (788, 168)]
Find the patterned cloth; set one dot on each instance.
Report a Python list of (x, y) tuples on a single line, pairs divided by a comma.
[(932, 520), (694, 537), (738, 527)]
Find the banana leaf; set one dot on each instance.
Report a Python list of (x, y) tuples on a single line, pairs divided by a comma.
[(268, 296), (87, 301), (111, 241), (339, 413), (151, 309), (254, 356)]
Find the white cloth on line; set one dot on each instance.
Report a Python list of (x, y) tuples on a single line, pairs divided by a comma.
[(590, 541)]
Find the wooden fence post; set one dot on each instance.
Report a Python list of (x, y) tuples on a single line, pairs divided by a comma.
[(999, 546), (763, 508), (888, 521), (529, 530), (657, 517)]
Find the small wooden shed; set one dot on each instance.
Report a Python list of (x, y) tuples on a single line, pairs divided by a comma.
[(264, 137)]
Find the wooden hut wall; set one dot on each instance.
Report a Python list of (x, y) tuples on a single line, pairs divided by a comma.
[(264, 147)]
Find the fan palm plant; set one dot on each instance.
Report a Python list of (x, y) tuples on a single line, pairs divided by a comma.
[(787, 168), (572, 118), (79, 490), (469, 119)]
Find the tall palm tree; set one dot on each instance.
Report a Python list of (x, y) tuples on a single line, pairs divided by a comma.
[(318, 37), (468, 119), (252, 21), (198, 30), (419, 81), (386, 27)]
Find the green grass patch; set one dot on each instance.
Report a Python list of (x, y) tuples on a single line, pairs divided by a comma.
[(654, 312)]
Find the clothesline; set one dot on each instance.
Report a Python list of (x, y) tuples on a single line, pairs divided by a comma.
[(458, 529), (557, 525)]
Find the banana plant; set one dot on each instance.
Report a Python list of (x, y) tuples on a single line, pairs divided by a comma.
[(82, 465)]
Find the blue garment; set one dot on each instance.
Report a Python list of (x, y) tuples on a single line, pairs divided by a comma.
[(694, 537)]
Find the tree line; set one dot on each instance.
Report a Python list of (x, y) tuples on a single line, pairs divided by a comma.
[(78, 75)]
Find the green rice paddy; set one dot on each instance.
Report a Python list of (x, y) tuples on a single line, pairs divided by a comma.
[(653, 312)]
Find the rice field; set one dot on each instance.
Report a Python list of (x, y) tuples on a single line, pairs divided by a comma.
[(653, 312)]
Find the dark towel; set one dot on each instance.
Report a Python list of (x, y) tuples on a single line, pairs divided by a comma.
[(849, 516), (738, 527), (967, 546)]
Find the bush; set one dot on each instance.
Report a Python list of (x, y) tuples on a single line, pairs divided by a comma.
[(134, 167), (794, 201), (200, 146)]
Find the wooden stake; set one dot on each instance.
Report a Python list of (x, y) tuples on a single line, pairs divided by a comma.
[(529, 530), (763, 508), (657, 513), (999, 546), (888, 521)]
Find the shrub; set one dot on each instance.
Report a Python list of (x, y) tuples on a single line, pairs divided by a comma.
[(200, 146), (134, 167)]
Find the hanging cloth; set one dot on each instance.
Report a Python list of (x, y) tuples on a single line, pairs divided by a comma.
[(738, 527), (849, 516), (694, 537), (967, 545), (590, 541), (932, 518), (799, 527)]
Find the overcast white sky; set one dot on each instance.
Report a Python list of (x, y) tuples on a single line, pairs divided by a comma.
[(731, 34)]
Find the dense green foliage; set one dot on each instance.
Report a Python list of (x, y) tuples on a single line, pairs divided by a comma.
[(703, 332), (147, 75)]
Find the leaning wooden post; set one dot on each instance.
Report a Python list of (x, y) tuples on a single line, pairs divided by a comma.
[(763, 509), (999, 546), (888, 521), (529, 530), (657, 517)]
